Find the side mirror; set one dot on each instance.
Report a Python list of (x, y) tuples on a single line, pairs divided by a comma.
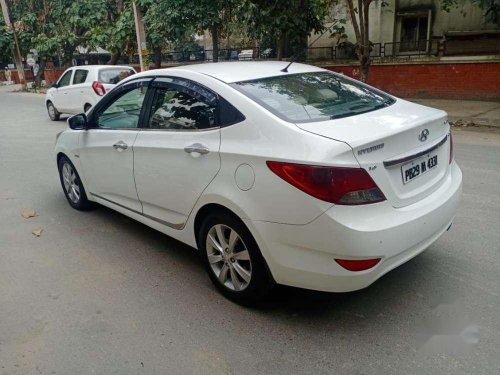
[(54, 85), (78, 122)]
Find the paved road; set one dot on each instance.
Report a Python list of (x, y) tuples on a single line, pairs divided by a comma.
[(99, 293)]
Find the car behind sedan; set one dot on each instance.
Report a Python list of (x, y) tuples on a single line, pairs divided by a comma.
[(295, 176), (80, 88)]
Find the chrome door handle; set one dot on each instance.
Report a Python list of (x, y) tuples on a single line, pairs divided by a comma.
[(198, 148), (120, 146)]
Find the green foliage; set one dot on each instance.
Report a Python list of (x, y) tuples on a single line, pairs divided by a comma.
[(6, 44), (293, 20), (55, 27), (491, 8), (116, 33)]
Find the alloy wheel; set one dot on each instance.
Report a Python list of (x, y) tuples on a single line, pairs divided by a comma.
[(228, 257), (70, 183)]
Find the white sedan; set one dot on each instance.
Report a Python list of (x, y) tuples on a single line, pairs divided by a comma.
[(295, 176), (80, 88)]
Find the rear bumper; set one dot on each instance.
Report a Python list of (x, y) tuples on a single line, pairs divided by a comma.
[(303, 255)]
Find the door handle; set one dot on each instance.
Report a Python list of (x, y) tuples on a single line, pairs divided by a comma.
[(120, 146), (196, 148)]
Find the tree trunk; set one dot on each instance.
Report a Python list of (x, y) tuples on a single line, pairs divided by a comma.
[(281, 47), (157, 57), (114, 58), (215, 43), (364, 65), (38, 77)]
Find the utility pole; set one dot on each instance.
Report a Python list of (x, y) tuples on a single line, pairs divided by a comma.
[(141, 37), (17, 52)]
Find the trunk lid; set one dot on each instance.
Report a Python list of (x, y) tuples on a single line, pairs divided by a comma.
[(392, 143)]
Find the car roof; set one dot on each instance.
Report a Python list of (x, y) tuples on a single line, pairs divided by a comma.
[(237, 71), (100, 67)]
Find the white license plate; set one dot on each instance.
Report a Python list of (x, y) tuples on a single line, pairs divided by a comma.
[(418, 167)]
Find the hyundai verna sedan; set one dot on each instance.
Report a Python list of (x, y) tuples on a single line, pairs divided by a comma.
[(295, 176)]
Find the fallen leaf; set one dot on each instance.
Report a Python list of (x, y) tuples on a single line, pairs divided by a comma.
[(37, 232), (28, 213)]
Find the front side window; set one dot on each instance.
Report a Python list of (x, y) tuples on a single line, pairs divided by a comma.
[(65, 79), (123, 112), (308, 97), (176, 108), (80, 76)]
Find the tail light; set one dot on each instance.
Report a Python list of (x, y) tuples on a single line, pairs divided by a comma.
[(358, 264), (451, 147), (339, 185), (98, 88)]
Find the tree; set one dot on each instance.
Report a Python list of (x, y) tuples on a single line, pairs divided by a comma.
[(116, 33), (290, 22), (55, 27), (180, 17), (359, 16), (491, 8), (6, 44)]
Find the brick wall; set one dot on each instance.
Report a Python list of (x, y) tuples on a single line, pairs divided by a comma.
[(468, 81), (52, 75), (15, 76)]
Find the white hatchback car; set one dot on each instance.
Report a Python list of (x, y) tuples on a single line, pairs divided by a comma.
[(80, 88), (295, 176)]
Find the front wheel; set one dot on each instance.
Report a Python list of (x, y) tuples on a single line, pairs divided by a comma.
[(233, 259), (72, 185), (54, 115)]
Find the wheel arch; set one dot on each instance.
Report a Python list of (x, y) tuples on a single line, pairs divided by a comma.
[(208, 209)]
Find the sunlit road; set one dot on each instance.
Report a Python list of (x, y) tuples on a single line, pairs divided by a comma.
[(98, 293)]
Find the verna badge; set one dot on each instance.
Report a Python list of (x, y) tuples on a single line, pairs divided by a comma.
[(422, 137)]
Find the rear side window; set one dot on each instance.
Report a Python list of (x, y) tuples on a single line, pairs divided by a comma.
[(176, 108), (308, 97), (80, 76), (114, 75)]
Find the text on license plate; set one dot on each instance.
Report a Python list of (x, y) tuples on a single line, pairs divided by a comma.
[(418, 167)]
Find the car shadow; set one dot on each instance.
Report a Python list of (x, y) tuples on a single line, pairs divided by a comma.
[(394, 289)]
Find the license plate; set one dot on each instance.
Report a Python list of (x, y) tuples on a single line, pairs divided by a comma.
[(418, 167)]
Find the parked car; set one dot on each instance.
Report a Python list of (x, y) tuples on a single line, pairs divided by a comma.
[(295, 176), (81, 87), (246, 54)]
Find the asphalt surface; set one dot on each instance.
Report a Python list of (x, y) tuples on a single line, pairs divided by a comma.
[(98, 293)]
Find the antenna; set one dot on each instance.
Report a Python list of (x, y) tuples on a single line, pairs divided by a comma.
[(285, 69)]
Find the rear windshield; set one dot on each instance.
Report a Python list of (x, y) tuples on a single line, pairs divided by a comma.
[(114, 75), (308, 97)]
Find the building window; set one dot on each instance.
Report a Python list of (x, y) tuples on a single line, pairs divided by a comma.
[(414, 32)]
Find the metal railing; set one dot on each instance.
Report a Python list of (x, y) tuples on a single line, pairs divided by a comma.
[(399, 50), (411, 48)]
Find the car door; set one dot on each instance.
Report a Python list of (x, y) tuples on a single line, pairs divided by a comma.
[(75, 93), (61, 101), (177, 154), (106, 149)]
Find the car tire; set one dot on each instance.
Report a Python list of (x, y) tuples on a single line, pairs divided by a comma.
[(87, 107), (72, 185), (54, 114), (233, 259)]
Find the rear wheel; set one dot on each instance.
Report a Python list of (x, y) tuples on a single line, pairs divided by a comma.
[(72, 185), (233, 259), (54, 115)]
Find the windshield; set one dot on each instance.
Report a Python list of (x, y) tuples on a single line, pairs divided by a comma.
[(114, 75), (308, 97)]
